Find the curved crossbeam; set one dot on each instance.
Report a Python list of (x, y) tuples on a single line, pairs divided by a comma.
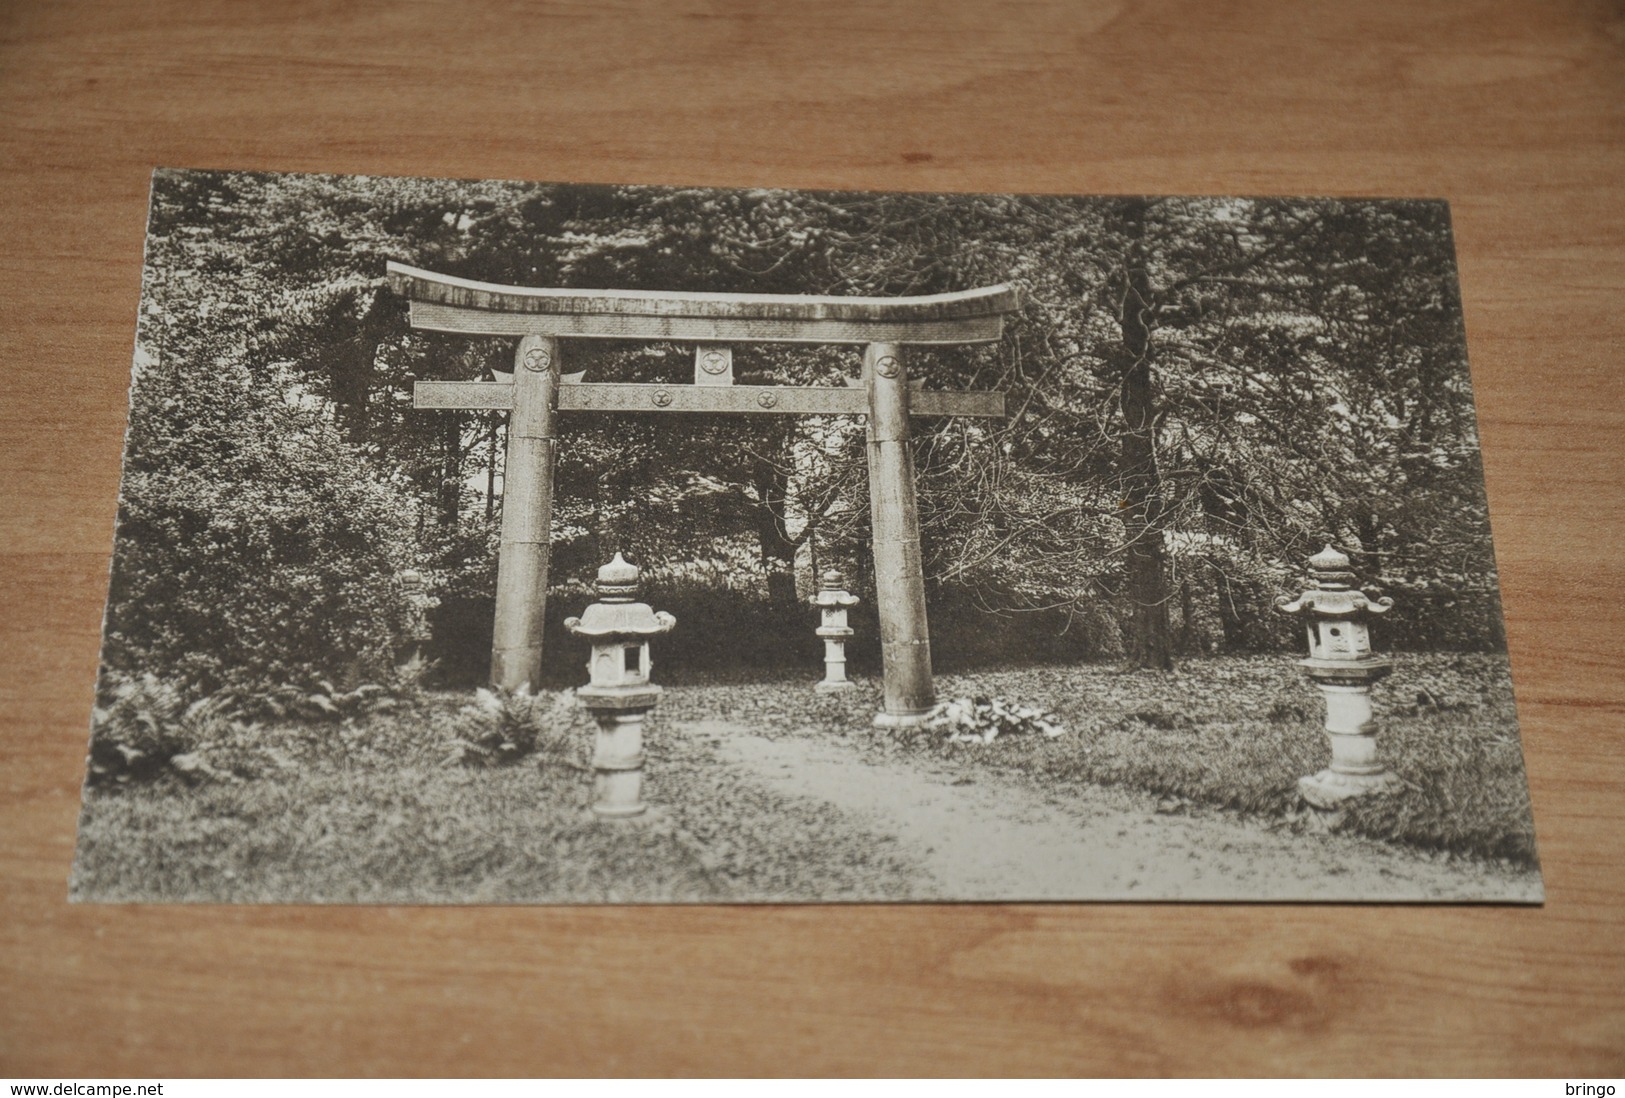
[(446, 303)]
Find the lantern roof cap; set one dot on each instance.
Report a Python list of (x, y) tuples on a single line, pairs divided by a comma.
[(618, 580), (619, 571), (620, 621), (1332, 592), (832, 593), (1329, 569), (616, 616), (1329, 559)]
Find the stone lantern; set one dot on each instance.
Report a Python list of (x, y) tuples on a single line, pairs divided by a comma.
[(833, 601), (619, 693), (1337, 615), (418, 602)]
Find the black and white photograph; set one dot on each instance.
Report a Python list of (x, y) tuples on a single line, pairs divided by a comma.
[(487, 542)]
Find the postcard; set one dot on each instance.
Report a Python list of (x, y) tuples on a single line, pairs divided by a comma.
[(536, 543)]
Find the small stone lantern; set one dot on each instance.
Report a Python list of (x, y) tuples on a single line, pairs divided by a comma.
[(1340, 663), (418, 603), (619, 693), (833, 601)]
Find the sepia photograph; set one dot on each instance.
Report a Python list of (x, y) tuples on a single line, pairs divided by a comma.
[(489, 542)]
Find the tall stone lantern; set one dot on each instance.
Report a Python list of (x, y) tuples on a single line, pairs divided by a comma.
[(618, 693), (833, 600), (1337, 615)]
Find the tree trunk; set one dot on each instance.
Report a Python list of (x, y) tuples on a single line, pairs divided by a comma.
[(1150, 641), (777, 547), (353, 367), (607, 519), (1190, 643), (1224, 502), (491, 469), (451, 469), (1231, 618)]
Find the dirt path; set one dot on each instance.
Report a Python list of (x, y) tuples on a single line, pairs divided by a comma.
[(992, 839)]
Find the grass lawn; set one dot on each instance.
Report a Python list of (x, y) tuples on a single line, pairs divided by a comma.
[(1234, 733), (370, 811)]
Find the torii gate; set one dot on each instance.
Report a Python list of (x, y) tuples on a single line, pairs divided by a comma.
[(537, 391)]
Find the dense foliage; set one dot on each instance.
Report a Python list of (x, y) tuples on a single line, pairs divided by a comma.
[(255, 548), (1202, 391)]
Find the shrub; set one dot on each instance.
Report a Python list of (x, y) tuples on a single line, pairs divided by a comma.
[(255, 546)]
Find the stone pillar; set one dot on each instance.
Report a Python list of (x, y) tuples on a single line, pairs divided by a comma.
[(527, 517), (905, 640), (617, 762)]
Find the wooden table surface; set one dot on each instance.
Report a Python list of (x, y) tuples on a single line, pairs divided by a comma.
[(1513, 111)]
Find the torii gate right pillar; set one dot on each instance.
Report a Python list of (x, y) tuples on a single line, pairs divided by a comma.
[(905, 639)]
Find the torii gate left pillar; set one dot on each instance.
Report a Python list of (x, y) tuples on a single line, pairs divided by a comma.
[(538, 391), (527, 516)]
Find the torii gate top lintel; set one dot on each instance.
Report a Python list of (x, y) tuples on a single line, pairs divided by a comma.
[(446, 303)]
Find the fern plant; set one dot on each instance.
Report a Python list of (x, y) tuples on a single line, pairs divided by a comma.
[(147, 728), (322, 701), (503, 726)]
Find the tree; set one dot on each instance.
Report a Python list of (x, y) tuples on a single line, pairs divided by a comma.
[(1144, 513)]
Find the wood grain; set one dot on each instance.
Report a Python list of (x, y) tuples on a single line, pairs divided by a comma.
[(1512, 111)]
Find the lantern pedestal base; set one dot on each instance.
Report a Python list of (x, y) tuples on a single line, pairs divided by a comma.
[(834, 652), (619, 812), (618, 792), (617, 760), (652, 818), (1356, 769), (1330, 788), (887, 720)]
